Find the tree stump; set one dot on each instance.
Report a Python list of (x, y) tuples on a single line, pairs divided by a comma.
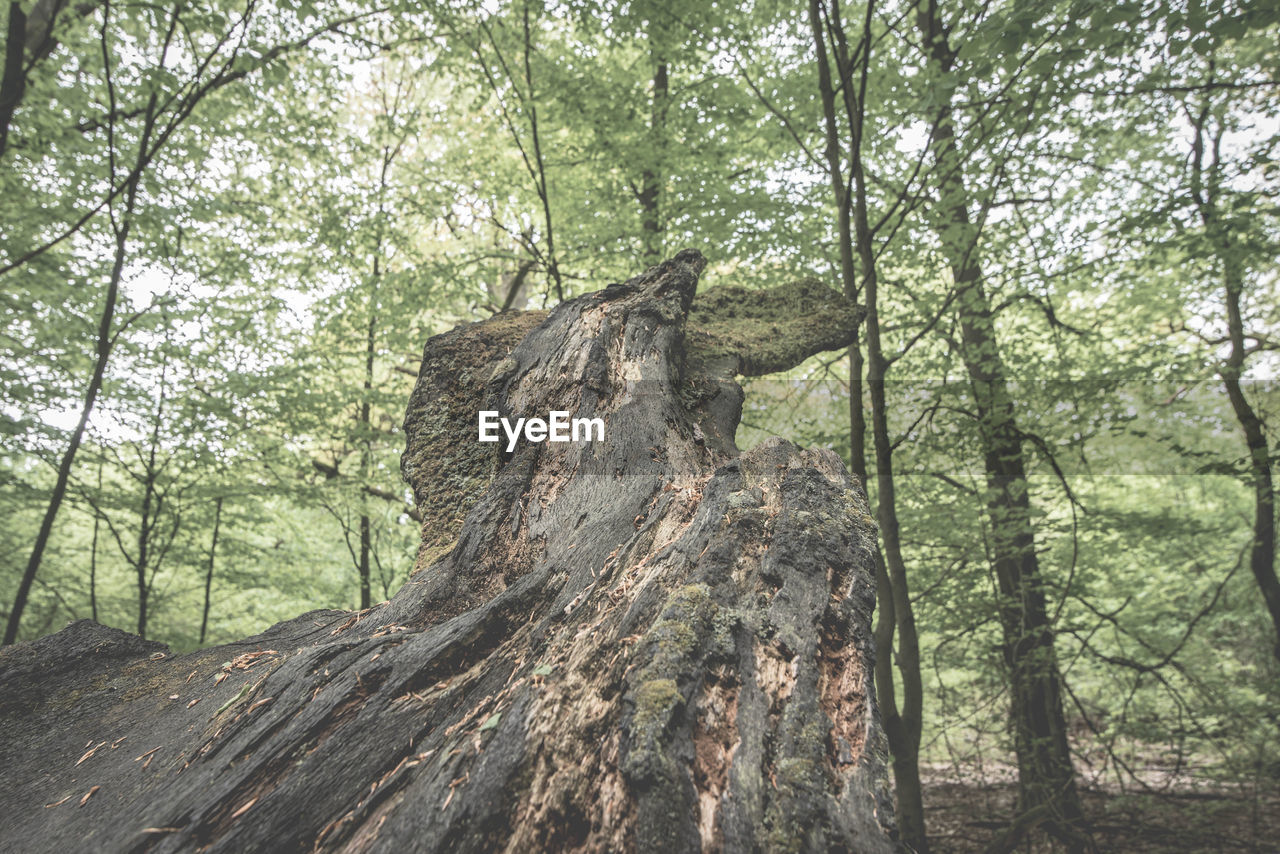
[(646, 643)]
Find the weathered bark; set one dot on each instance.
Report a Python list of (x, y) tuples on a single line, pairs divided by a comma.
[(647, 642)]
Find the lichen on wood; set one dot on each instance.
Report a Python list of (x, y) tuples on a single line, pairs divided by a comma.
[(649, 642)]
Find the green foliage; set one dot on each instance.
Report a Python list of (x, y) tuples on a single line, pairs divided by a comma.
[(318, 187)]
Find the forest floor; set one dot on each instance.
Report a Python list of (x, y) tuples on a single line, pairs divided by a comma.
[(962, 817)]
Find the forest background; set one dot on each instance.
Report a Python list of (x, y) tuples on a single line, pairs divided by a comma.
[(230, 225)]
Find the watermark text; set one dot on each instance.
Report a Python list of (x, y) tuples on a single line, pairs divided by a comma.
[(559, 426)]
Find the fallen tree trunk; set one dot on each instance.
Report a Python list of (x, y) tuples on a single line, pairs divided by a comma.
[(644, 643)]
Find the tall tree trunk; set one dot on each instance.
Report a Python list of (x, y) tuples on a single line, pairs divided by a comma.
[(649, 642), (1206, 188), (1262, 551), (208, 575), (902, 727), (366, 453), (1046, 777)]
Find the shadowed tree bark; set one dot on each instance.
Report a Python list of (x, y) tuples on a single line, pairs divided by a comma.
[(647, 642), (1047, 791), (1216, 216)]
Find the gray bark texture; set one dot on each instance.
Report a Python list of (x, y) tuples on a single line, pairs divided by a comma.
[(649, 643)]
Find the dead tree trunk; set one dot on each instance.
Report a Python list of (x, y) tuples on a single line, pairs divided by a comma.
[(644, 643)]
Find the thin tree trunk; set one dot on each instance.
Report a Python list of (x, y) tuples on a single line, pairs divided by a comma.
[(544, 195), (1205, 190), (365, 584), (93, 555), (1046, 776), (103, 349), (144, 541), (105, 343), (651, 178), (902, 726), (844, 237), (149, 513), (208, 575), (366, 404), (535, 166)]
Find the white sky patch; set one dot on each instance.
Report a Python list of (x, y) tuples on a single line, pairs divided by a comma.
[(913, 138)]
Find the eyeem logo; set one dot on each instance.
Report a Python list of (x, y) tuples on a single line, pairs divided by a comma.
[(558, 427)]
